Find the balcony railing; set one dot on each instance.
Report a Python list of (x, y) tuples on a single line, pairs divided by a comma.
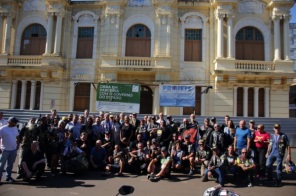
[(254, 65), (131, 62), (24, 60), (136, 62)]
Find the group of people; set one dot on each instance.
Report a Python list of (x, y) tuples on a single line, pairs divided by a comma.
[(153, 145)]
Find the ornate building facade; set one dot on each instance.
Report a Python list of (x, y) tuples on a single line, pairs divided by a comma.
[(54, 52)]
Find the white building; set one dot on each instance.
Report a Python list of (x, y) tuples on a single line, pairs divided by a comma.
[(54, 52)]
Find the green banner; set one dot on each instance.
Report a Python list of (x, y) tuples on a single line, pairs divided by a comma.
[(118, 97)]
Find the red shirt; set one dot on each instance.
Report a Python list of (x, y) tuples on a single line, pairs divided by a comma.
[(263, 137)]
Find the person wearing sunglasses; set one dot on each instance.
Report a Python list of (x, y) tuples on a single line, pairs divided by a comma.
[(278, 145), (246, 166)]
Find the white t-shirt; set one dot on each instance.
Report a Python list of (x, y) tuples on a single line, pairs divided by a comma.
[(3, 122), (8, 137)]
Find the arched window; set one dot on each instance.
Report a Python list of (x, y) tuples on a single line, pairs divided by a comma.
[(249, 44), (138, 41), (33, 40)]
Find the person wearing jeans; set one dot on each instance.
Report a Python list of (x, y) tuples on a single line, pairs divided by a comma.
[(8, 134), (279, 142)]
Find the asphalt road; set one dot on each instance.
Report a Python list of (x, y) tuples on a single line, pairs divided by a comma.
[(92, 183)]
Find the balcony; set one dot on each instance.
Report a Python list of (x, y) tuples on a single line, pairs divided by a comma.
[(30, 61), (263, 67), (136, 63)]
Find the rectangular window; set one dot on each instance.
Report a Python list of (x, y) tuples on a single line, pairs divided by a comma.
[(193, 45), (85, 42)]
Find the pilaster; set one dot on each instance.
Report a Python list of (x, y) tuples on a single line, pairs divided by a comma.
[(23, 94), (246, 101), (33, 94)]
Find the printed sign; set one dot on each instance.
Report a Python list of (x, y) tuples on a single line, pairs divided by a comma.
[(115, 97), (177, 95)]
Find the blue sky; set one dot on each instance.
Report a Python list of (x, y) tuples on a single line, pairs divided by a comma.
[(293, 13)]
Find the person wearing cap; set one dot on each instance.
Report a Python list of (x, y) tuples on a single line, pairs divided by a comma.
[(253, 148), (2, 120), (216, 167), (189, 152), (9, 136), (278, 145), (160, 166), (202, 156)]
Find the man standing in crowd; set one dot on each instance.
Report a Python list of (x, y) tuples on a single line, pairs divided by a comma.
[(76, 126), (279, 142), (242, 137), (9, 136)]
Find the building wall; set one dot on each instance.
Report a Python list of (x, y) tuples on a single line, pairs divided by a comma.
[(60, 70)]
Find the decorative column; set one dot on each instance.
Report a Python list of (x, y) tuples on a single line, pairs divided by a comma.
[(7, 32), (13, 94), (235, 101), (155, 100), (163, 14), (1, 33), (286, 37), (256, 101), (246, 101), (266, 101), (91, 99), (48, 48), (23, 95), (220, 35), (58, 34), (229, 37), (277, 38), (33, 94), (41, 95), (203, 101), (71, 95)]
